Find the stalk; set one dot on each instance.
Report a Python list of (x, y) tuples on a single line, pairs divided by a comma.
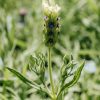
[(50, 74)]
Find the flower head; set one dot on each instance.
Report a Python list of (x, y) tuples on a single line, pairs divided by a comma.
[(51, 29)]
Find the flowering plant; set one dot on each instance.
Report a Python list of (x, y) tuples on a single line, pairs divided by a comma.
[(37, 62)]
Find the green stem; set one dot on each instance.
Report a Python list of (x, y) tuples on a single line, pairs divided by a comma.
[(50, 73)]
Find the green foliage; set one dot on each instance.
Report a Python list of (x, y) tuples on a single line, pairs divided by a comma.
[(73, 81), (26, 81), (21, 77), (37, 65), (79, 36)]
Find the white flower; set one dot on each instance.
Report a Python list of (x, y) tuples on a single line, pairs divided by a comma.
[(57, 8), (50, 9)]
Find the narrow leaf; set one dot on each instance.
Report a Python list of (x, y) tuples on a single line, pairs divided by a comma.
[(32, 61), (74, 80), (21, 77)]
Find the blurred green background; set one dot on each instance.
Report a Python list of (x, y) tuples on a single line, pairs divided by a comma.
[(21, 34)]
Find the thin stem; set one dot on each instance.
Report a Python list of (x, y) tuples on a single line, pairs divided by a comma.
[(50, 72)]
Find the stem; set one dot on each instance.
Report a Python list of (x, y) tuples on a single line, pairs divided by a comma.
[(50, 72)]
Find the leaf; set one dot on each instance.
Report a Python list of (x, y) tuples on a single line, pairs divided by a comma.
[(28, 82), (11, 91), (32, 61), (22, 78), (74, 80), (66, 59), (3, 97), (61, 96), (6, 82)]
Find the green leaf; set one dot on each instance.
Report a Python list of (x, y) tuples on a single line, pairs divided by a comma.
[(66, 59), (32, 61), (3, 97), (6, 82), (22, 78), (74, 80), (61, 96), (11, 91), (28, 82)]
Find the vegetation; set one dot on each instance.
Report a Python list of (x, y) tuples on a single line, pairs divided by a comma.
[(48, 69)]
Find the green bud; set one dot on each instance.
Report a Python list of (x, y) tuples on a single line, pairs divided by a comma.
[(51, 27)]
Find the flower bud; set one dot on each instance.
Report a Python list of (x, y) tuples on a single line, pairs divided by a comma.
[(51, 26)]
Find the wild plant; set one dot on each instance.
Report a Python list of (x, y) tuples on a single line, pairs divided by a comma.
[(37, 63)]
